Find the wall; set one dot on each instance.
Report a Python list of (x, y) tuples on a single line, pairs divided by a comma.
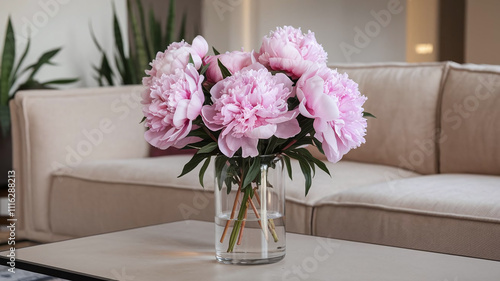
[(348, 30), (422, 30), (482, 37), (63, 23)]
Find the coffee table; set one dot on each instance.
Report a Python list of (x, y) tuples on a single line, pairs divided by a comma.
[(185, 251)]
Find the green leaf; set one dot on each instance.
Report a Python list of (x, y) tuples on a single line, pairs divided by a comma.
[(198, 133), (204, 68), (311, 158), (153, 34), (225, 72), (127, 71), (253, 171), (368, 114), (191, 60), (140, 51), (13, 76), (215, 51), (143, 119), (32, 84), (208, 148), (120, 67), (203, 170), (191, 164), (288, 166), (319, 145), (8, 57), (305, 166), (220, 162), (169, 32), (306, 170), (271, 145), (133, 63), (61, 81), (5, 120), (182, 32), (105, 70), (149, 51), (92, 34), (44, 59)]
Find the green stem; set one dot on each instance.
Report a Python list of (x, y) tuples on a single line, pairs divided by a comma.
[(238, 223)]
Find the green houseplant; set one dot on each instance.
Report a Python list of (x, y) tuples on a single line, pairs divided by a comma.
[(12, 75), (145, 41)]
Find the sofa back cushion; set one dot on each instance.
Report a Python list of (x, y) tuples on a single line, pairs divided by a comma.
[(470, 122), (404, 98)]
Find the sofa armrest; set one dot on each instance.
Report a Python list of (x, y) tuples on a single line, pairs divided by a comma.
[(60, 129)]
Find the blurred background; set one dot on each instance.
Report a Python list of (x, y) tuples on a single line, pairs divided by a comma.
[(349, 30)]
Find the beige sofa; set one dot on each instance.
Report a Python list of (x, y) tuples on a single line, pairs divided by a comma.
[(427, 178)]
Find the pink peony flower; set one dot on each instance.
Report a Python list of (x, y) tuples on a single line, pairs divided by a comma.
[(176, 56), (248, 106), (171, 103), (337, 106), (233, 61), (289, 50)]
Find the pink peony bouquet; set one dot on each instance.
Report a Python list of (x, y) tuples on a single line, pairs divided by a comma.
[(247, 104), (238, 103)]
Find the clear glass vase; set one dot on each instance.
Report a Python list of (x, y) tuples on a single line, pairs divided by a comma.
[(249, 210)]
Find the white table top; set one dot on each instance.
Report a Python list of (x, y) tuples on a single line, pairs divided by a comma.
[(185, 251)]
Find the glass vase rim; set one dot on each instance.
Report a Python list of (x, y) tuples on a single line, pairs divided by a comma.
[(275, 155)]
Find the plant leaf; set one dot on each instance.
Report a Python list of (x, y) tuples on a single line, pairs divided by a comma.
[(143, 119), (61, 81), (306, 170), (138, 42), (149, 51), (8, 57), (191, 164), (368, 114), (182, 31), (203, 170), (92, 34), (204, 68), (215, 51), (208, 148), (317, 162), (13, 76), (305, 166), (191, 60), (225, 72), (253, 171), (288, 166), (44, 59), (127, 72), (4, 120), (220, 162), (169, 32), (319, 145)]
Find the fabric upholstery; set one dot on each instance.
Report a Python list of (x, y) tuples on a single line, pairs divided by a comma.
[(404, 98), (137, 192), (470, 120), (62, 129), (449, 213)]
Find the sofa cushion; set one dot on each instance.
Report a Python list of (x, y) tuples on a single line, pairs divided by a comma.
[(470, 120), (103, 196), (404, 98), (450, 213)]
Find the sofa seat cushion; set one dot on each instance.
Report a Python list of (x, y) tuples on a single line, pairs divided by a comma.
[(449, 213), (103, 196)]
